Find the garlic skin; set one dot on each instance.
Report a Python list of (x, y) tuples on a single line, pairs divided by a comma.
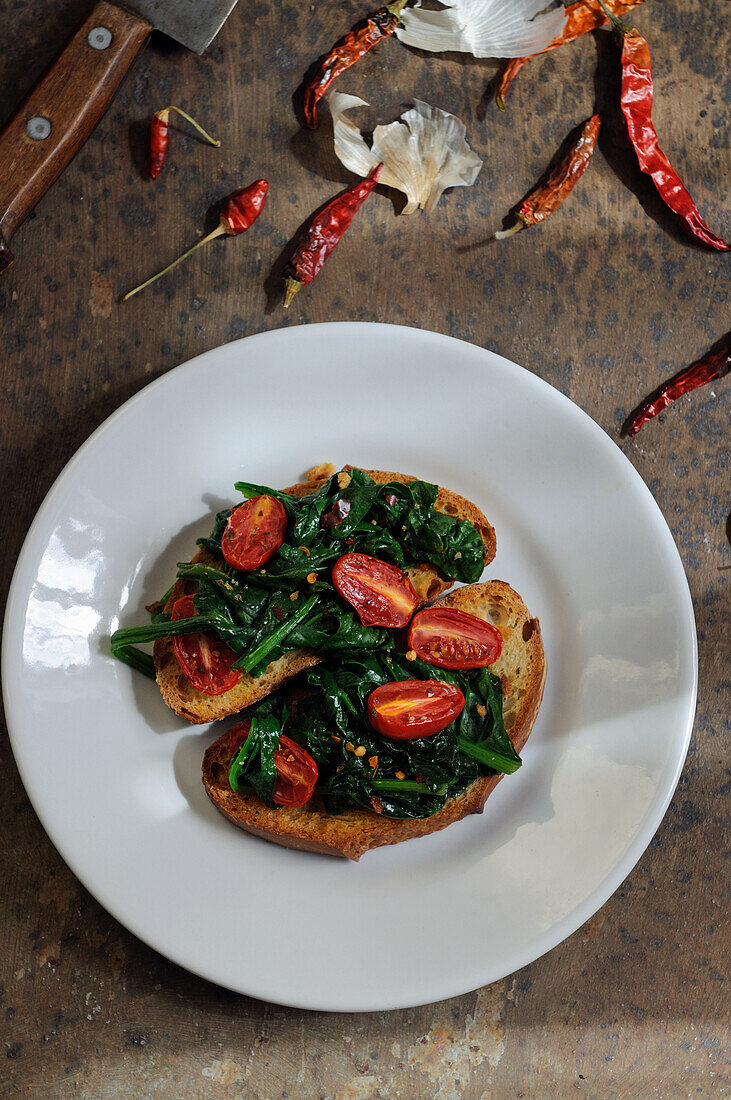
[(483, 28), (423, 152)]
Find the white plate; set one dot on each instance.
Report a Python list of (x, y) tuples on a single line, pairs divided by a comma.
[(115, 777)]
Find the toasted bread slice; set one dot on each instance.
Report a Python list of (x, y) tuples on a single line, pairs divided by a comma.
[(522, 668), (196, 706)]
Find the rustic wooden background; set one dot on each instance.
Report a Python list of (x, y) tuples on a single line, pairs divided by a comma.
[(604, 301)]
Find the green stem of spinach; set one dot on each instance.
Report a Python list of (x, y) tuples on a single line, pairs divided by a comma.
[(124, 647), (488, 757), (136, 659), (131, 635), (124, 642), (164, 599), (405, 785), (266, 645)]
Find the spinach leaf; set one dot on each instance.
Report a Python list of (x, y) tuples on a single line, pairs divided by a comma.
[(271, 641), (252, 767), (213, 542), (359, 767), (223, 583), (395, 521), (265, 613), (496, 752), (331, 723), (337, 629)]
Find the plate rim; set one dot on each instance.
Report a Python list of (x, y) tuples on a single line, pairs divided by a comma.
[(534, 948)]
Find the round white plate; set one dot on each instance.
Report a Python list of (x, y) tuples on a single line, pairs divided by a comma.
[(115, 777)]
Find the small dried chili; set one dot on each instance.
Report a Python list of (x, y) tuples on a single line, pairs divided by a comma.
[(323, 233), (158, 138), (636, 99), (546, 198), (511, 70), (714, 365), (239, 212), (363, 37), (581, 17)]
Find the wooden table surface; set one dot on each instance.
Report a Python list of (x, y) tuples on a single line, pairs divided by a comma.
[(603, 302)]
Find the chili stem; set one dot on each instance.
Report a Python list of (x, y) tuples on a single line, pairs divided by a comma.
[(397, 7), (503, 233), (192, 121), (618, 25), (217, 232), (291, 286)]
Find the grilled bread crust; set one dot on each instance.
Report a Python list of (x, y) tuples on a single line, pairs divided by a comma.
[(522, 668), (195, 706)]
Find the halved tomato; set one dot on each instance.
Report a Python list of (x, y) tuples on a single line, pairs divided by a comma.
[(237, 735), (382, 594), (448, 638), (204, 658), (296, 774), (254, 532), (407, 709)]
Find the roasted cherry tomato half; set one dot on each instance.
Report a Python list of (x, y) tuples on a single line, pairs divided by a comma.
[(448, 638), (407, 709), (237, 735), (296, 774), (382, 594), (254, 532), (204, 658)]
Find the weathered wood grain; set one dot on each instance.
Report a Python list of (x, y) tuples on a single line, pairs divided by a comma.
[(603, 301)]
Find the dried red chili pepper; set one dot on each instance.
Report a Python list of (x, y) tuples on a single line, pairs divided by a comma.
[(357, 42), (714, 365), (511, 70), (158, 138), (323, 233), (238, 213), (546, 198), (581, 17), (636, 100)]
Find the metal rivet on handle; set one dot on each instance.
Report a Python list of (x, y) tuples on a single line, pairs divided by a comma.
[(99, 38), (38, 127)]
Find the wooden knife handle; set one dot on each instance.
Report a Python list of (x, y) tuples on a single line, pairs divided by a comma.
[(55, 120)]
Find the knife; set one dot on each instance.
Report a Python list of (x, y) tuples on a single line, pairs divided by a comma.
[(57, 117)]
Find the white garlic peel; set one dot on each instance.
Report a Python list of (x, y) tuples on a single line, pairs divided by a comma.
[(423, 152), (483, 28)]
